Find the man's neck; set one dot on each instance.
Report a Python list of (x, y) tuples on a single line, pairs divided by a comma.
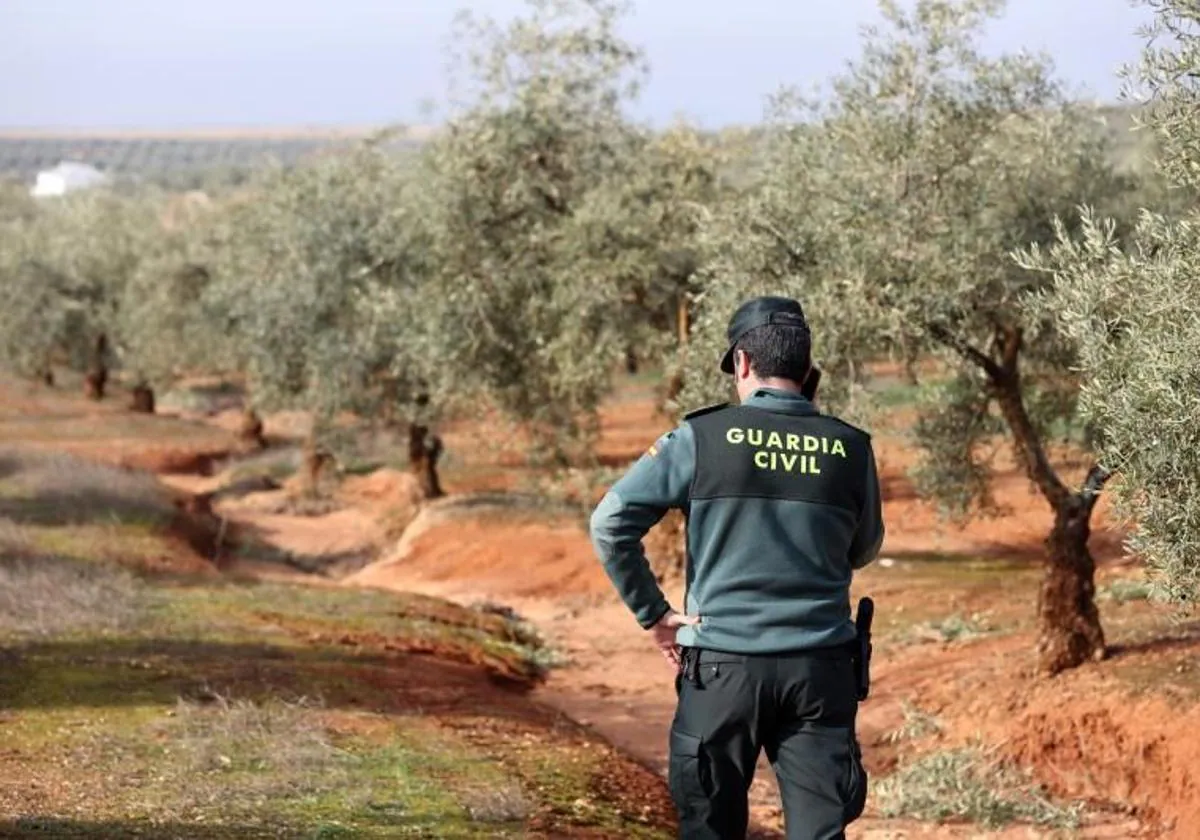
[(775, 383)]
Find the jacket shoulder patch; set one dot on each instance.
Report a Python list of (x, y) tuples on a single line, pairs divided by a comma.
[(708, 409)]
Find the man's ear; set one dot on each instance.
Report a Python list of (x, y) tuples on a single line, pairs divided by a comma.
[(748, 370)]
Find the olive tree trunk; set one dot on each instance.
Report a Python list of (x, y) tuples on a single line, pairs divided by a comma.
[(675, 382), (1069, 631), (424, 450), (631, 361), (315, 458), (1067, 615), (142, 399), (683, 327), (250, 430), (96, 380)]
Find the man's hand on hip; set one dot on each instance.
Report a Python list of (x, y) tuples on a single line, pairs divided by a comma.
[(664, 634)]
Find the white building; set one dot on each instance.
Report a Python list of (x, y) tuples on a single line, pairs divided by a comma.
[(66, 177)]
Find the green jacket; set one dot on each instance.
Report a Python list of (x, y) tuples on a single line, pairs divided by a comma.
[(781, 507)]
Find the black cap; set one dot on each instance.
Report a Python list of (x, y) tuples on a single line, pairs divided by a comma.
[(759, 312)]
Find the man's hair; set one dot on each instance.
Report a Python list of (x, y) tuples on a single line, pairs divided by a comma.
[(777, 351)]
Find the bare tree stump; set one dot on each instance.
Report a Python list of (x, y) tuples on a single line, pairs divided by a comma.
[(631, 362), (94, 384), (316, 459), (250, 431), (142, 399)]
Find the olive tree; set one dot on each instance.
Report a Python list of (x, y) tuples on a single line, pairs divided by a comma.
[(164, 326), (639, 235), (67, 268), (892, 212), (536, 128), (303, 267), (1131, 311)]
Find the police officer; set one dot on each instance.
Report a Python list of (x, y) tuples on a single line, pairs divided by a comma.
[(782, 504)]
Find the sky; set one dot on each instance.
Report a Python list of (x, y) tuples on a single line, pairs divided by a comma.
[(222, 63)]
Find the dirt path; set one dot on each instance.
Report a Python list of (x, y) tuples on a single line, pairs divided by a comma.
[(618, 685)]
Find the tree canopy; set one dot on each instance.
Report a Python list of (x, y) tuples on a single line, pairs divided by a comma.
[(539, 128), (299, 269)]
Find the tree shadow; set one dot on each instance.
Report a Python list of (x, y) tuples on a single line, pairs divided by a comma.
[(81, 507), (986, 557), (107, 673), (61, 828), (1185, 637), (68, 829), (10, 465), (897, 488), (85, 506)]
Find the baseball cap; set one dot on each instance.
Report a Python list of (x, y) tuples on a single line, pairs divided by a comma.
[(759, 312)]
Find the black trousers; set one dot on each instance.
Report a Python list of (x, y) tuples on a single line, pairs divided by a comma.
[(800, 708)]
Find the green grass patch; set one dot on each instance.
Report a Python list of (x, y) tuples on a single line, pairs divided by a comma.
[(349, 616), (290, 768), (895, 393), (219, 708), (160, 705), (1122, 591), (955, 628), (285, 735)]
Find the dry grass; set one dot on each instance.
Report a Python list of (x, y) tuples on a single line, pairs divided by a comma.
[(918, 724), (503, 802), (232, 753), (970, 785), (45, 488), (44, 595)]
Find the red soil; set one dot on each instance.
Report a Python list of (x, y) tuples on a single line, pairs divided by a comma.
[(1082, 734), (1121, 732)]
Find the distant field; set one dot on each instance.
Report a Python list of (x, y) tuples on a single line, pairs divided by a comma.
[(173, 157), (187, 158)]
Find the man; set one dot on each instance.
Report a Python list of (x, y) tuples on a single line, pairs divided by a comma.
[(782, 503)]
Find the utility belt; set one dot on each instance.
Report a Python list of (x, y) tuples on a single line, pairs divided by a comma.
[(857, 650)]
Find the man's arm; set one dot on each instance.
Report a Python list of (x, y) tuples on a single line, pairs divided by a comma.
[(657, 482), (868, 537)]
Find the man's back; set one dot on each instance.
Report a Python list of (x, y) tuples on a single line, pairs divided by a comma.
[(780, 511), (782, 503)]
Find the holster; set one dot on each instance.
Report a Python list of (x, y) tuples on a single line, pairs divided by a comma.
[(862, 647)]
